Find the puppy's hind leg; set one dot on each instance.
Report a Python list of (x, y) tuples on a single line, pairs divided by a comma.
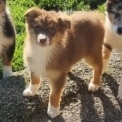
[(120, 90), (7, 60), (96, 63), (57, 86)]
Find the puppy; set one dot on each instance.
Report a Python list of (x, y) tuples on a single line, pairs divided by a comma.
[(54, 43), (7, 39), (113, 33)]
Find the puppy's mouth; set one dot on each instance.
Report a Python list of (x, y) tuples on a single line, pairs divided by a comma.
[(43, 40)]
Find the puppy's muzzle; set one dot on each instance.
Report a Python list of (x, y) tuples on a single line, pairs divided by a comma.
[(119, 30), (42, 40)]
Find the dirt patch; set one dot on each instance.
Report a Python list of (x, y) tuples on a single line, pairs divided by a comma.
[(77, 105)]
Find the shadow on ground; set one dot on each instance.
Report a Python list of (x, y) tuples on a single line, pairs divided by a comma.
[(77, 105), (13, 106), (102, 105)]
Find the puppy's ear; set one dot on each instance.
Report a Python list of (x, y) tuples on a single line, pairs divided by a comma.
[(32, 13), (64, 20)]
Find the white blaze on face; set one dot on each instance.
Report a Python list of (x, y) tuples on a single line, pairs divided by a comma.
[(43, 39)]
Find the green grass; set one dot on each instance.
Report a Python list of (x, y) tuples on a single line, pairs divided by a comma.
[(19, 7)]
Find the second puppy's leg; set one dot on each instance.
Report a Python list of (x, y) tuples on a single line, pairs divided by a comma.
[(120, 90), (7, 60), (106, 50)]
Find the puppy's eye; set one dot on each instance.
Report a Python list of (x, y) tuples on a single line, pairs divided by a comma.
[(52, 31), (117, 15), (37, 28)]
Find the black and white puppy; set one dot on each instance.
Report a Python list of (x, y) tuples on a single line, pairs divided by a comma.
[(7, 39), (113, 33)]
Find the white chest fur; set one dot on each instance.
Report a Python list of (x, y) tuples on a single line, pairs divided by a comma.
[(39, 58)]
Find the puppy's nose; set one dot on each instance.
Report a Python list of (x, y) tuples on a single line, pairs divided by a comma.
[(43, 40), (119, 30)]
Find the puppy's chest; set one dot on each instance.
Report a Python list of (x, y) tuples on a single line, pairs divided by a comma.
[(40, 61), (115, 41)]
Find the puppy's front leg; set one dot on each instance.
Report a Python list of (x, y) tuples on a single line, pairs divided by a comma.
[(7, 57), (57, 86), (120, 90), (106, 51), (33, 87)]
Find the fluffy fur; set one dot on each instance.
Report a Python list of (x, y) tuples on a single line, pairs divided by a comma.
[(7, 39), (113, 33), (54, 43)]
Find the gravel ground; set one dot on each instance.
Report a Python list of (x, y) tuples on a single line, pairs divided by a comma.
[(78, 105)]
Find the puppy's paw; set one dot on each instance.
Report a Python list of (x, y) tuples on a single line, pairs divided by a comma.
[(31, 90), (52, 111), (92, 87), (28, 92), (7, 71)]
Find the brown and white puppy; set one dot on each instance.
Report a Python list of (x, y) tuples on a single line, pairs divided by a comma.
[(113, 33), (7, 39), (54, 43)]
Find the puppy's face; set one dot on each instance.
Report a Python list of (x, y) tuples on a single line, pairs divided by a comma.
[(2, 5), (46, 28), (114, 12)]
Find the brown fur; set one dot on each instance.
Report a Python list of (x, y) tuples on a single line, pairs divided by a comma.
[(34, 79), (2, 5), (106, 52), (77, 36)]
